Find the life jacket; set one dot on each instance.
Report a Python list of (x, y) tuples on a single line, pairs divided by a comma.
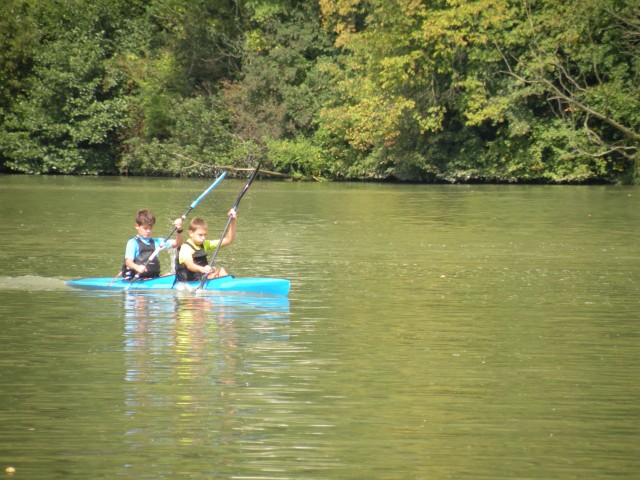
[(144, 252), (183, 274)]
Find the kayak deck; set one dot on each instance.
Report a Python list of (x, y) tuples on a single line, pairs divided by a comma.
[(273, 286)]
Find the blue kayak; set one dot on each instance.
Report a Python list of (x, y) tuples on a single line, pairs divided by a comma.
[(272, 286)]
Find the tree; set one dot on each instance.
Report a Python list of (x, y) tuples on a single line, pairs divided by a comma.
[(486, 89), (67, 108), (581, 57), (280, 90)]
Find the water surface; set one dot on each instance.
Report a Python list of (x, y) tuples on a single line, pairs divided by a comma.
[(432, 332)]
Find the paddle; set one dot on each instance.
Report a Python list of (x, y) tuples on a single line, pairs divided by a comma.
[(193, 205), (224, 232)]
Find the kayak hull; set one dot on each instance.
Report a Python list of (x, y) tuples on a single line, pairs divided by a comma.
[(271, 286)]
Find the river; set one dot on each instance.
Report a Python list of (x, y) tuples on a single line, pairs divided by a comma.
[(431, 332)]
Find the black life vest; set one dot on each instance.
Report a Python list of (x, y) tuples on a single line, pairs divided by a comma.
[(144, 252), (183, 274)]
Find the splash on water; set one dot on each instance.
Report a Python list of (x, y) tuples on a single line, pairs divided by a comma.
[(32, 283)]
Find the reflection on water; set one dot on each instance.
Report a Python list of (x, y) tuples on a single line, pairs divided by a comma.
[(433, 332), (205, 372), (192, 336)]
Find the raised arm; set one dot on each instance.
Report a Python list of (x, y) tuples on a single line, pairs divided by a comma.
[(176, 242), (231, 232)]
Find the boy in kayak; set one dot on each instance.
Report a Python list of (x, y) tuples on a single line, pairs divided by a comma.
[(141, 247), (191, 262)]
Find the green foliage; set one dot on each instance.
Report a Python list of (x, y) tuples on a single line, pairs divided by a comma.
[(412, 90), (18, 42), (200, 142), (201, 36), (509, 81), (280, 90), (299, 158), (66, 112)]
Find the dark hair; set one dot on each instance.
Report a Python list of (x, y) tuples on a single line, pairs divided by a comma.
[(145, 217)]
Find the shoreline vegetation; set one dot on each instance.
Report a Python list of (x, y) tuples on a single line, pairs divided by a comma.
[(472, 91), (236, 173)]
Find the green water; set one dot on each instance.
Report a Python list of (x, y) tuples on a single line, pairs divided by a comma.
[(432, 332)]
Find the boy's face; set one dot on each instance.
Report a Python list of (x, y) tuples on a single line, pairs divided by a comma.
[(198, 236), (144, 230)]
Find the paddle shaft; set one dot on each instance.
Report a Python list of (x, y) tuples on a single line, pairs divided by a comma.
[(226, 228), (184, 216), (193, 205)]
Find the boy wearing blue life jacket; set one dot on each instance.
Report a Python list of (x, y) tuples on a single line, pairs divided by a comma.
[(141, 247), (191, 262)]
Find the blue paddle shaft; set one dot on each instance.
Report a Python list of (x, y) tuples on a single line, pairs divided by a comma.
[(157, 251), (206, 192)]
